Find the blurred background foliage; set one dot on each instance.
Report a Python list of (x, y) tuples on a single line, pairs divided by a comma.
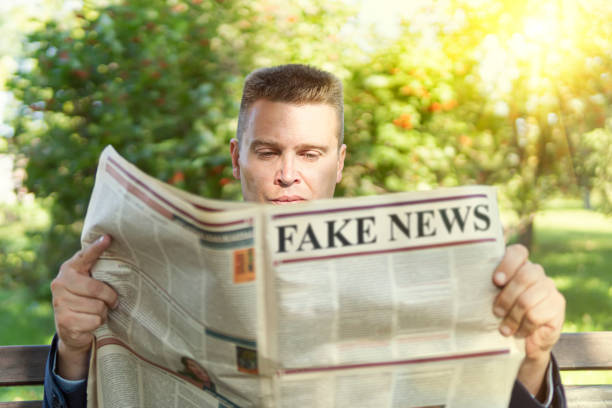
[(512, 93), (160, 81)]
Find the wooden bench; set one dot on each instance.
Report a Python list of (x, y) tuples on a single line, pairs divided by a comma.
[(24, 365)]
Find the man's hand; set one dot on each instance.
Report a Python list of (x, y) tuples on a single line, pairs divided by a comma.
[(531, 307), (80, 304)]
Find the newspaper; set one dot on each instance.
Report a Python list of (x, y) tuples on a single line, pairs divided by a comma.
[(381, 301)]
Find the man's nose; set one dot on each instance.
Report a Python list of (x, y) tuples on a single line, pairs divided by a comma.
[(287, 174)]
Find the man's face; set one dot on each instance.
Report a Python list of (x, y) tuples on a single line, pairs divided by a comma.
[(288, 153), (197, 370)]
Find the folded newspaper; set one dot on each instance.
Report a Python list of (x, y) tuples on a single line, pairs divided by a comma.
[(381, 301)]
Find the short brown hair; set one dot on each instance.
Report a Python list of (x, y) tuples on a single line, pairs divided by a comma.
[(292, 83)]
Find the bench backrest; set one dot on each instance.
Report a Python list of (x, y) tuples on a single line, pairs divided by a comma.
[(22, 365), (25, 365), (584, 351)]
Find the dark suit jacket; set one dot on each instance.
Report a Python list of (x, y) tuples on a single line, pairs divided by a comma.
[(522, 398), (55, 398)]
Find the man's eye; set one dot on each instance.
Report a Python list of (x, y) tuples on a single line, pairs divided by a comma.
[(310, 155), (266, 155)]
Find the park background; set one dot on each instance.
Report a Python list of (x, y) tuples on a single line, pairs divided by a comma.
[(514, 94)]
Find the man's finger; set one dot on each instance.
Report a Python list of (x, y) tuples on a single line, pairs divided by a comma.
[(81, 304), (534, 295), (83, 260), (93, 288), (544, 313), (526, 276), (514, 258), (74, 328)]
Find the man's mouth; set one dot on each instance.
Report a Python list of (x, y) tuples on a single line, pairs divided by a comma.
[(286, 200)]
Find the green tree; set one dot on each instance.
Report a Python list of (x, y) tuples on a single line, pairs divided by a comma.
[(159, 80), (596, 164), (476, 96)]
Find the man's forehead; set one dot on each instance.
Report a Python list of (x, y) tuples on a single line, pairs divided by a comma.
[(266, 116)]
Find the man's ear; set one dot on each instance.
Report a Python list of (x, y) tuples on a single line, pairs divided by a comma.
[(234, 152), (341, 156)]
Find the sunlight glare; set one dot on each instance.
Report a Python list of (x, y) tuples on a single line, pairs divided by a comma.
[(540, 29)]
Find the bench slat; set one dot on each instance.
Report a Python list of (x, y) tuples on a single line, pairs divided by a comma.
[(584, 351), (589, 396), (21, 404), (22, 365), (25, 365)]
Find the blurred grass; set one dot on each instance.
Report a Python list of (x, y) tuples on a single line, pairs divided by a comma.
[(575, 248), (573, 245), (28, 321), (23, 321)]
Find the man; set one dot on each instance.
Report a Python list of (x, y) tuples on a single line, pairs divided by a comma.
[(195, 373), (289, 148)]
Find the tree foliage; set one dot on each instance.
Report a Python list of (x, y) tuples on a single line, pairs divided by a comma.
[(160, 81), (473, 99), (474, 95)]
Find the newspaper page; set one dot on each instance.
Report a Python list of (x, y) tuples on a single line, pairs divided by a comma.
[(386, 302), (365, 302), (184, 269)]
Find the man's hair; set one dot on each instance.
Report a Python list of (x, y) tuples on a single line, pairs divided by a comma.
[(292, 83), (185, 359)]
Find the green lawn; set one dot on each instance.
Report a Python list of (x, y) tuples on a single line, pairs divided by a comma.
[(23, 321), (573, 245)]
